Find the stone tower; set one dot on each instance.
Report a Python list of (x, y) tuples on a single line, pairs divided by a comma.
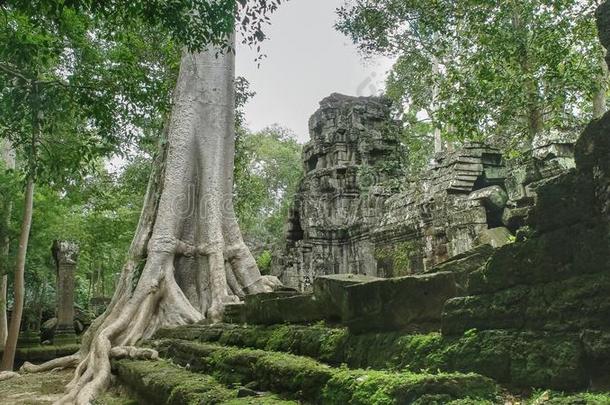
[(352, 141)]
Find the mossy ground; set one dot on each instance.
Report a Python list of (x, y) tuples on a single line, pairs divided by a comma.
[(48, 387)]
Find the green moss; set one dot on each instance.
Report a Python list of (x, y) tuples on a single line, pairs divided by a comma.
[(522, 359), (399, 259), (383, 388), (296, 376), (556, 398), (264, 400), (422, 352), (279, 338), (162, 383), (306, 379), (332, 344)]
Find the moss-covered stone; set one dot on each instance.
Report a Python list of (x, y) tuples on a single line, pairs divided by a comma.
[(42, 353), (159, 382), (306, 379), (384, 388), (407, 303), (399, 259), (552, 256), (331, 295), (521, 359), (296, 376), (569, 305), (557, 398), (293, 308)]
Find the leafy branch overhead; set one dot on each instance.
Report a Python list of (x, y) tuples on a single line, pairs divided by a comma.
[(505, 71)]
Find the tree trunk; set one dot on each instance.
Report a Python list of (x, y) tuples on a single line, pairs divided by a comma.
[(599, 99), (8, 157), (10, 347), (3, 315), (438, 140), (187, 259), (533, 108)]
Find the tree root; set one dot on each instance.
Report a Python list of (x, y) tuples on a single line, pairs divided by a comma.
[(135, 353), (7, 375), (59, 363)]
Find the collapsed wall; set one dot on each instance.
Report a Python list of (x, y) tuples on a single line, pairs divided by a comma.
[(344, 220)]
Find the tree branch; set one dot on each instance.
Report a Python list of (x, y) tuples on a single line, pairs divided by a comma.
[(13, 72)]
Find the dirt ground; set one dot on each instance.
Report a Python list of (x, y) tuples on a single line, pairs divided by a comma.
[(45, 388)]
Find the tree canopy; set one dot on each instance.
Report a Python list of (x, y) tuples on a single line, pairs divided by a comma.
[(505, 71)]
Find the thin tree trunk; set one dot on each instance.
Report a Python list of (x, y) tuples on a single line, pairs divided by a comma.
[(10, 347), (535, 119), (599, 99), (3, 315), (438, 140), (8, 157)]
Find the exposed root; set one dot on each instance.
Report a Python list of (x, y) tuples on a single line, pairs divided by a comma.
[(7, 375), (131, 352), (59, 363)]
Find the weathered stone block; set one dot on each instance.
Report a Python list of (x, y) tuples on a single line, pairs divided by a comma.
[(296, 309), (405, 303), (235, 313), (494, 198), (569, 305), (550, 256), (28, 339), (496, 237), (330, 292), (521, 359), (515, 218)]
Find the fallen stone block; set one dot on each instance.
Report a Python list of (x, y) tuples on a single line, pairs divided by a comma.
[(411, 303)]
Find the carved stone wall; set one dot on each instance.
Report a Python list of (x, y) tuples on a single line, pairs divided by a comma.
[(342, 221), (337, 201), (442, 213)]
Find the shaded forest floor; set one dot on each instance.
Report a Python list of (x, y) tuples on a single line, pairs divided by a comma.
[(46, 388)]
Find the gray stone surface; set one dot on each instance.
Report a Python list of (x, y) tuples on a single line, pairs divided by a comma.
[(434, 219), (65, 254), (346, 219), (339, 200)]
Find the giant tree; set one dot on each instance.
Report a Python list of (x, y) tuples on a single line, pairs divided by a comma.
[(187, 259), (66, 100)]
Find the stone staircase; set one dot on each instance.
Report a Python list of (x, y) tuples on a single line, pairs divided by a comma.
[(233, 364)]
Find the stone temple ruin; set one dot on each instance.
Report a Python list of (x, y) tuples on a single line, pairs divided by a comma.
[(479, 280), (329, 224), (481, 276), (344, 220)]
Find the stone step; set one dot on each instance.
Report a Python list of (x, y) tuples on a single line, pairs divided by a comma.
[(409, 303), (304, 379), (516, 358), (162, 383)]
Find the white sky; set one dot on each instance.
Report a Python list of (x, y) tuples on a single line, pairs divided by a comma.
[(307, 60)]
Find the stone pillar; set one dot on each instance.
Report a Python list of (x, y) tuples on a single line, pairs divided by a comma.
[(65, 254)]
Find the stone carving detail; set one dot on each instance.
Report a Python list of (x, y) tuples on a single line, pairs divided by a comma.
[(342, 221)]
